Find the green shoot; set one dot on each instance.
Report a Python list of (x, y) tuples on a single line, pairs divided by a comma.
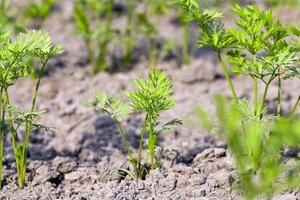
[(256, 146), (264, 49), (38, 10), (129, 40), (152, 96), (13, 55), (8, 18), (146, 27), (275, 3), (154, 10), (98, 33)]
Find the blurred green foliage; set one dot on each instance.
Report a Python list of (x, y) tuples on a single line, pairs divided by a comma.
[(282, 2), (93, 20), (257, 146), (38, 10)]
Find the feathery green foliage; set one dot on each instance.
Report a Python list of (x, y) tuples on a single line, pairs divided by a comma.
[(260, 47), (38, 10), (13, 54), (257, 146), (151, 96), (8, 18), (93, 23)]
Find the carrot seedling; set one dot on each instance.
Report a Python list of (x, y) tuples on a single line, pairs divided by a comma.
[(264, 49), (13, 55), (9, 21), (151, 96), (38, 10), (256, 145), (96, 35)]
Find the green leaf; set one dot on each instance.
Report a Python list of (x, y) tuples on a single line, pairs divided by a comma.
[(82, 21), (153, 95), (116, 109)]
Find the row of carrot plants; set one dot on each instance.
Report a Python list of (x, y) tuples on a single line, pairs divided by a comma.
[(257, 46)]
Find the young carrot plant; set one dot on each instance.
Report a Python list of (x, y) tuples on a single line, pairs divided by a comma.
[(151, 96), (38, 10), (267, 51), (154, 10), (128, 34), (257, 146), (186, 36), (282, 3), (8, 18), (96, 35), (13, 55)]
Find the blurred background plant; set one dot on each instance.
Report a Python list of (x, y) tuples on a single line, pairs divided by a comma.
[(257, 147), (8, 18), (93, 23), (94, 19), (36, 12), (282, 2)]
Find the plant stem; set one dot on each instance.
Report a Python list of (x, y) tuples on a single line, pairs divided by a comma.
[(123, 135), (225, 71), (152, 52), (294, 108), (152, 148), (264, 99), (279, 94), (14, 137), (186, 43), (129, 44), (233, 2), (28, 127), (101, 61), (91, 55), (141, 139), (2, 110), (136, 167), (255, 96), (37, 86)]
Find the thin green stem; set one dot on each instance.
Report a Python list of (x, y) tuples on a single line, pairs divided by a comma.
[(152, 149), (14, 138), (227, 76), (294, 108), (123, 135), (129, 29), (101, 61), (186, 43), (91, 55), (256, 104), (279, 95), (142, 139), (28, 126), (152, 140), (37, 86), (2, 110), (152, 52), (264, 99), (136, 166)]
